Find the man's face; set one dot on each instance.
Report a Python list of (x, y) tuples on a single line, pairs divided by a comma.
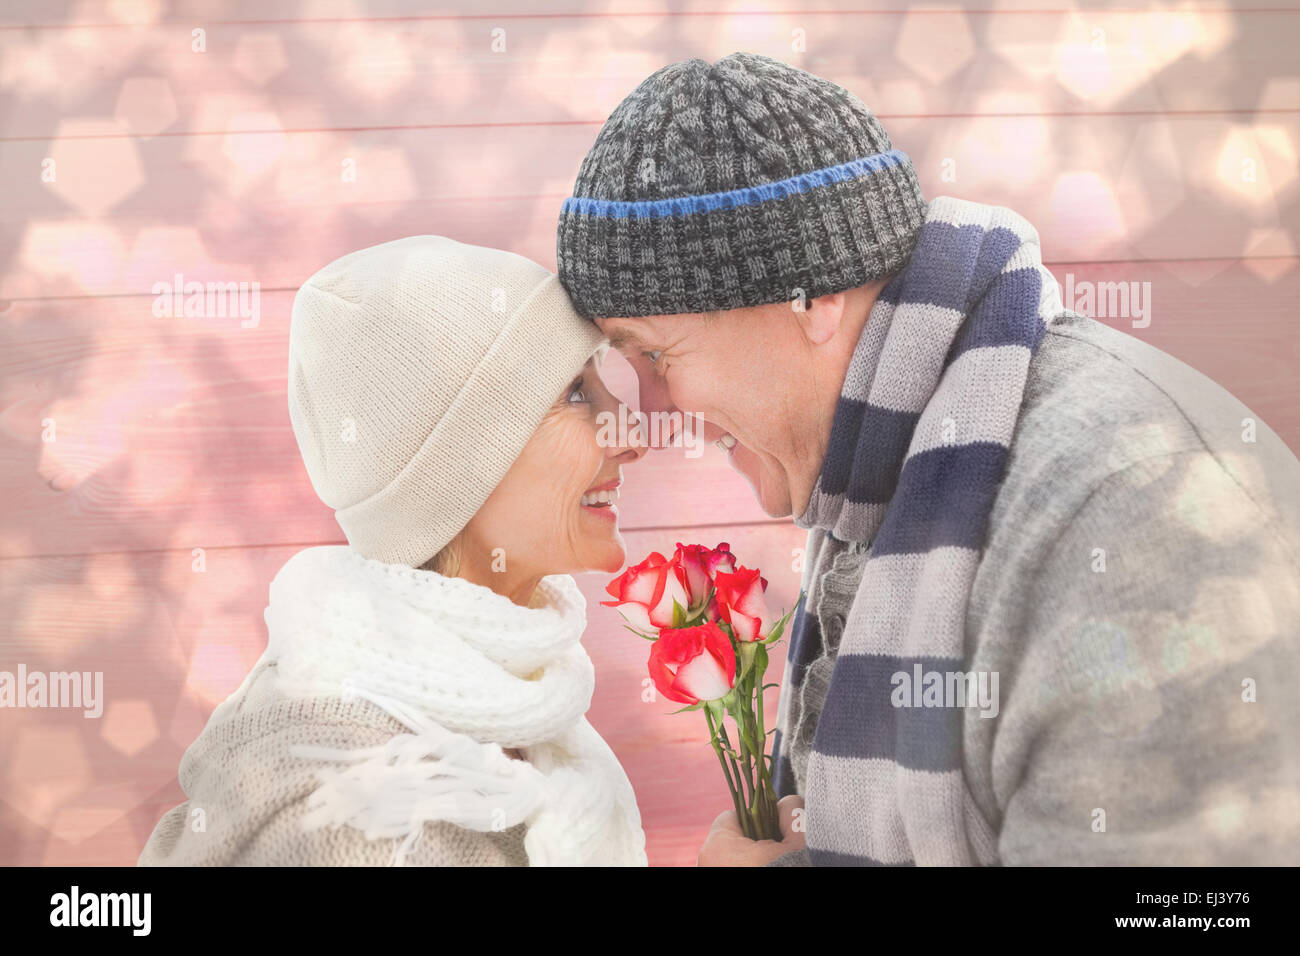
[(741, 371)]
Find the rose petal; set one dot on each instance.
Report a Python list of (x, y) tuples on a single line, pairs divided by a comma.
[(702, 678), (636, 615)]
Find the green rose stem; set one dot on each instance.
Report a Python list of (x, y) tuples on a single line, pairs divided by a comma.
[(760, 736), (717, 748), (746, 824), (755, 798), (760, 806)]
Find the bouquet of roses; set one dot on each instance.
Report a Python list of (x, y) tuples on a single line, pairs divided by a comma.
[(711, 629)]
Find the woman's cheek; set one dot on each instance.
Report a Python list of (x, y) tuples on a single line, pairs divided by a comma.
[(581, 447), (568, 459)]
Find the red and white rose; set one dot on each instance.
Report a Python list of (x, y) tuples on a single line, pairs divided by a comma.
[(742, 605), (644, 593), (691, 664)]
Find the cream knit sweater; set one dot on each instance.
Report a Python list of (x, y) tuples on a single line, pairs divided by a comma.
[(250, 795), (373, 730)]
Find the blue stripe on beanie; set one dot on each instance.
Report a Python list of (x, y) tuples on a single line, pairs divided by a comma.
[(733, 198)]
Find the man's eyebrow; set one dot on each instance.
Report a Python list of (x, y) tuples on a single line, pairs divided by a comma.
[(622, 338)]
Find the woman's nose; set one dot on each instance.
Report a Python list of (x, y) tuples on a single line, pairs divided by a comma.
[(633, 442)]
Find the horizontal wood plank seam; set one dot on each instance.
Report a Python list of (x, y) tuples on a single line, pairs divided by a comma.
[(775, 522), (513, 124), (1237, 260), (637, 14)]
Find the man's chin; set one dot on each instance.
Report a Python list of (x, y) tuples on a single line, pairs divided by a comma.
[(770, 494)]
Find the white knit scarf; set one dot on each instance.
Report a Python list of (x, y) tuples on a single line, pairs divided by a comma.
[(470, 673)]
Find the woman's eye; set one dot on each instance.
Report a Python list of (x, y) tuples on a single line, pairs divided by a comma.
[(577, 389)]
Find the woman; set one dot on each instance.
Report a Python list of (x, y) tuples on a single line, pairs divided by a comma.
[(422, 696)]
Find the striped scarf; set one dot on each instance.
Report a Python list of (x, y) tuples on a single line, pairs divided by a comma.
[(918, 448)]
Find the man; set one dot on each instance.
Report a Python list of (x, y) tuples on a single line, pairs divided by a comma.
[(1052, 573)]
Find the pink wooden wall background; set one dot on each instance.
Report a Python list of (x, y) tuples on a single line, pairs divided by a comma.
[(1150, 143)]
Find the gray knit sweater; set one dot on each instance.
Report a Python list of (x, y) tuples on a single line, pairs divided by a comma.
[(1139, 596)]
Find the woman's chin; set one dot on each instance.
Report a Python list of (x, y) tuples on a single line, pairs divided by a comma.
[(607, 555)]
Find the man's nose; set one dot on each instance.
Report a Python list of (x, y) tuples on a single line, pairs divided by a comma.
[(655, 397)]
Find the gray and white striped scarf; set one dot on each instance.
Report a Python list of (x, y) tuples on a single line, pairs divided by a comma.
[(919, 444)]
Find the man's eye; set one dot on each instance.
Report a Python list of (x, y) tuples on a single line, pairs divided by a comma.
[(653, 356)]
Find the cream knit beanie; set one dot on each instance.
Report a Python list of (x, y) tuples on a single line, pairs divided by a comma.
[(418, 370)]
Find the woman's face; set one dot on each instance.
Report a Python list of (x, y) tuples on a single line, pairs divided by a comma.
[(536, 515)]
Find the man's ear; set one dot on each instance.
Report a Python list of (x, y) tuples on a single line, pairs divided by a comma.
[(820, 318)]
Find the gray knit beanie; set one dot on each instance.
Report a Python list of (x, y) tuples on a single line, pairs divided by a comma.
[(418, 371), (733, 184)]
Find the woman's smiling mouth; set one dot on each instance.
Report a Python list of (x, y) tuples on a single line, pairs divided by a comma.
[(600, 500)]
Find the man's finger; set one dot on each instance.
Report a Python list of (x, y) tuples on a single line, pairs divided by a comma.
[(724, 821), (785, 811)]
